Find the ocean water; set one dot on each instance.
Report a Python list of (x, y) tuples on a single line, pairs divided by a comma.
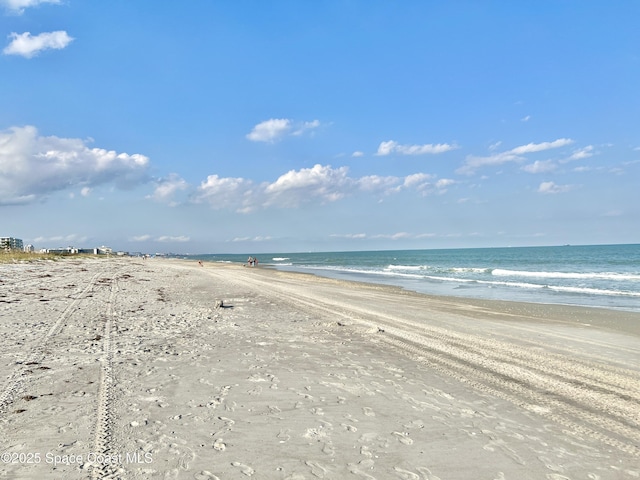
[(594, 275)]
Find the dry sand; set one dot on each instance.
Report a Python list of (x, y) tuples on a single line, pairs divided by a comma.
[(125, 368)]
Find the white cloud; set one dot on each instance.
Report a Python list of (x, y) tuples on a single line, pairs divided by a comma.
[(349, 235), (379, 184), (581, 153), (299, 186), (227, 193), (306, 126), (357, 154), (539, 147), (170, 239), (33, 166), (417, 180), (166, 189), (321, 183), (270, 131), (141, 238), (28, 46), (445, 182), (473, 163), (525, 119), (259, 238), (551, 188), (540, 166), (85, 192), (18, 6), (394, 236), (391, 146), (67, 240)]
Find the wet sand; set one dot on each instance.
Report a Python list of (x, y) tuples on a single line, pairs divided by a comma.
[(124, 368)]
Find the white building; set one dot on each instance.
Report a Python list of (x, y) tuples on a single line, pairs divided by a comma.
[(10, 243)]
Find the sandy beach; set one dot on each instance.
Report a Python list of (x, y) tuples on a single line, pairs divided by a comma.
[(143, 369)]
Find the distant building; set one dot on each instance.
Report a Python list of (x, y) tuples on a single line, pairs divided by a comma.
[(29, 248), (63, 251), (10, 243)]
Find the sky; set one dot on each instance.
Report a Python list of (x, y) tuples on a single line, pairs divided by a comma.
[(288, 126)]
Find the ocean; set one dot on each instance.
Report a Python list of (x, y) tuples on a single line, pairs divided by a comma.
[(592, 275)]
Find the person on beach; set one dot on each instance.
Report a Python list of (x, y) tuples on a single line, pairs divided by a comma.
[(250, 261)]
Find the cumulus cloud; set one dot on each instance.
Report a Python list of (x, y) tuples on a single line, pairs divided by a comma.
[(540, 166), (167, 188), (33, 166), (357, 154), (28, 46), (391, 146), (270, 130), (273, 130), (551, 188), (171, 239), (227, 193), (18, 6), (321, 183), (473, 163), (299, 186)]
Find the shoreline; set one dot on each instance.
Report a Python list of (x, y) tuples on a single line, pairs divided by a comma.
[(172, 370), (620, 320)]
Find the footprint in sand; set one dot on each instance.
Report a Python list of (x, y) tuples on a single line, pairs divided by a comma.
[(403, 437), (245, 469), (284, 436), (357, 469), (219, 445), (204, 475), (368, 412), (317, 470), (257, 390), (406, 474), (349, 428)]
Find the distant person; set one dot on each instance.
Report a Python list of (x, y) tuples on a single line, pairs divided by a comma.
[(250, 261), (200, 263)]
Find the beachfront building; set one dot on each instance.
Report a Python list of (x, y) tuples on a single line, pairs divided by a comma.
[(10, 243), (29, 248), (105, 250), (63, 251)]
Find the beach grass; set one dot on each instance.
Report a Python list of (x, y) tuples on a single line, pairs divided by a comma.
[(16, 256)]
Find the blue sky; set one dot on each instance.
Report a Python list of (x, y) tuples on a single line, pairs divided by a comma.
[(250, 126)]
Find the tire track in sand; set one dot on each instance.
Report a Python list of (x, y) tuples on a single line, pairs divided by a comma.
[(37, 355), (103, 425), (588, 398)]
